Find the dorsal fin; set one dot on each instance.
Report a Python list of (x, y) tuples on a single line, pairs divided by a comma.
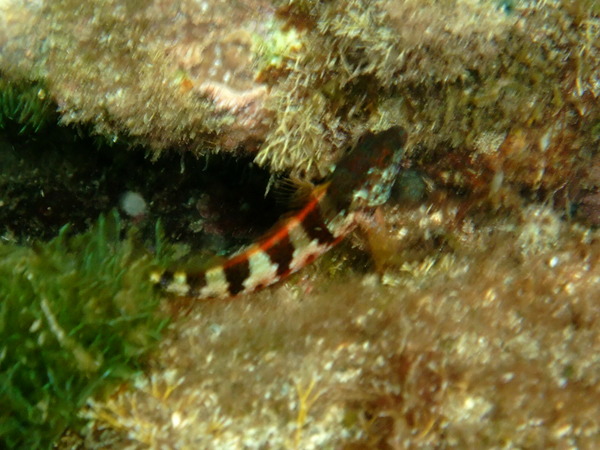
[(293, 192)]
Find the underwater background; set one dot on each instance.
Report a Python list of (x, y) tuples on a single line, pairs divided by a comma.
[(137, 134)]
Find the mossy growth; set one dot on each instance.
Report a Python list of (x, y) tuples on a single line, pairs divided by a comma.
[(76, 316), (24, 106)]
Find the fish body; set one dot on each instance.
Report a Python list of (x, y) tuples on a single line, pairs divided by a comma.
[(361, 181)]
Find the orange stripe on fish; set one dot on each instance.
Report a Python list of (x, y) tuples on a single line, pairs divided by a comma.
[(361, 181)]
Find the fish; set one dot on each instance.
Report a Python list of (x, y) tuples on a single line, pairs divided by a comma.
[(361, 181)]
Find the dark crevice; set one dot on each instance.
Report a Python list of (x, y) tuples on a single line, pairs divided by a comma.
[(57, 177)]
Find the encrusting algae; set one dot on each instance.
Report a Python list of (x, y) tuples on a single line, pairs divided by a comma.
[(480, 341), (294, 82)]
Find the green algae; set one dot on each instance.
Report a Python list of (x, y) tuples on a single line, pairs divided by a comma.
[(76, 316), (24, 106)]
